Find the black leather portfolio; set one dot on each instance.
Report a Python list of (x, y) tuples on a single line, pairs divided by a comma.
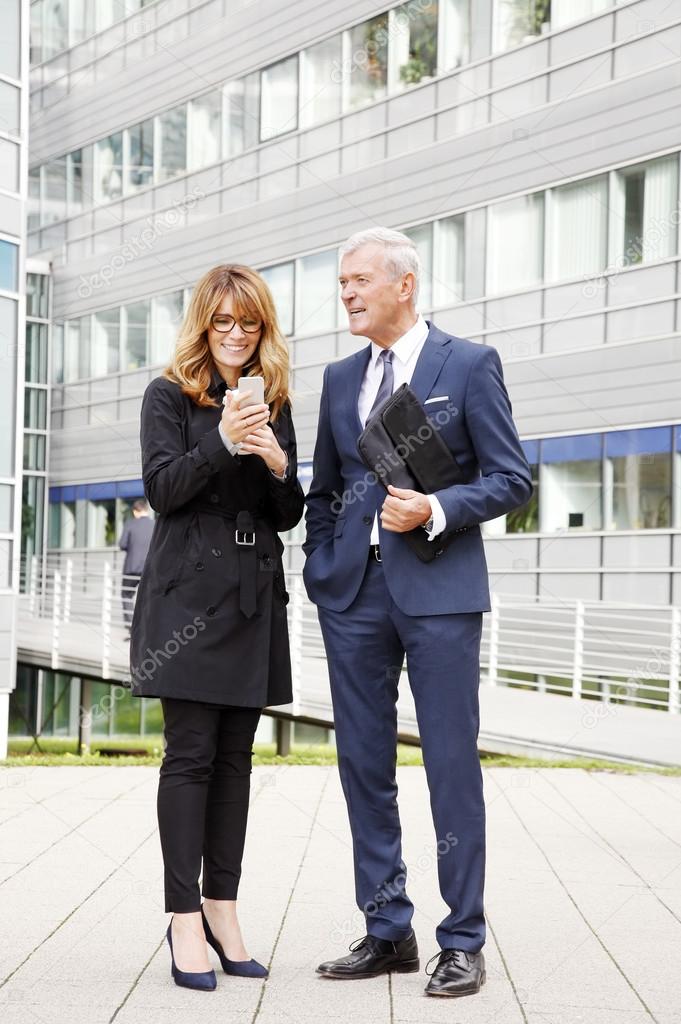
[(403, 448)]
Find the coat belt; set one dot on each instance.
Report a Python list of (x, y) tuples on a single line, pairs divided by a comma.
[(244, 536)]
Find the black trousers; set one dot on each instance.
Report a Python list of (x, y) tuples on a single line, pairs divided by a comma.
[(203, 792)]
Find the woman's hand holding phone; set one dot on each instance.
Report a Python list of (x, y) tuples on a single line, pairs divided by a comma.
[(238, 423)]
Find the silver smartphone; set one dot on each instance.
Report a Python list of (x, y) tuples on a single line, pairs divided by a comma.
[(254, 389)]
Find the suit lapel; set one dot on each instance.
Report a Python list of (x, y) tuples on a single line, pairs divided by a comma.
[(353, 384), (433, 356)]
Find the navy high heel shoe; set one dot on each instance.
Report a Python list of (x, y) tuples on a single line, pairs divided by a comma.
[(204, 980), (240, 968)]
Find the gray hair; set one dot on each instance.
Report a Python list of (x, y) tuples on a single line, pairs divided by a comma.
[(401, 254)]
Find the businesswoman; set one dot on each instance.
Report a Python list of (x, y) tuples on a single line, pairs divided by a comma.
[(209, 633)]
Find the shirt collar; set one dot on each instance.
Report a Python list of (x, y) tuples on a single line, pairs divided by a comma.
[(405, 346)]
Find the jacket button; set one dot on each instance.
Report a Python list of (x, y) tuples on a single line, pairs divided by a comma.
[(367, 520), (199, 566), (216, 552), (210, 610), (215, 498)]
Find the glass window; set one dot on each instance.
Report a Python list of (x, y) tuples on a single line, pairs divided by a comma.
[(108, 168), (36, 295), (453, 34), (317, 300), (279, 91), (9, 108), (413, 40), (75, 162), (33, 510), (515, 243), (173, 141), (640, 465), (81, 20), (644, 198), (166, 320), (54, 36), (6, 501), (422, 237), (136, 341), (9, 165), (242, 106), (9, 266), (101, 523), (368, 61), (8, 331), (140, 168), (565, 11), (67, 524), (10, 37), (57, 352), (516, 21), (105, 342), (36, 39), (570, 483), (577, 229), (448, 257), (54, 191), (205, 114), (321, 74), (280, 281), (56, 704), (35, 409), (34, 213), (34, 451), (77, 350), (36, 353)]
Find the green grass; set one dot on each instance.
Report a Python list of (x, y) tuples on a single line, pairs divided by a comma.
[(58, 752)]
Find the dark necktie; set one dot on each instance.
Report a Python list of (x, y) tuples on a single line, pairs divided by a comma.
[(386, 386)]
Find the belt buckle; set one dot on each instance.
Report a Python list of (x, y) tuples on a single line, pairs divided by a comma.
[(241, 537), (377, 553)]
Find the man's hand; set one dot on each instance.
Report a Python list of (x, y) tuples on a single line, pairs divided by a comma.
[(403, 510)]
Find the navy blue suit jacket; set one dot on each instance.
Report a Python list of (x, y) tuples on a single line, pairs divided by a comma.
[(474, 417)]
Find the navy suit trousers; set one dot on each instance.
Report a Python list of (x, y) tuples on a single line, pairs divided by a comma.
[(366, 645)]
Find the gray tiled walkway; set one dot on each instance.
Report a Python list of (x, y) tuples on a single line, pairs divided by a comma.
[(583, 899)]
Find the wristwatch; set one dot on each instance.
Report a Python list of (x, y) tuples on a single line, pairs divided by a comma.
[(429, 525)]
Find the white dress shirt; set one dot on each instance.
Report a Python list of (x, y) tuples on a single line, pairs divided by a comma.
[(406, 351)]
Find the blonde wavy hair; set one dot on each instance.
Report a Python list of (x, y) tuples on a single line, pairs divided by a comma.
[(192, 365)]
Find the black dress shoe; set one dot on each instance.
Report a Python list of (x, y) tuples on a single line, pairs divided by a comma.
[(372, 956), (457, 973)]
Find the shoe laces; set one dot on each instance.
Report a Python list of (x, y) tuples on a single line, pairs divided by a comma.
[(457, 955)]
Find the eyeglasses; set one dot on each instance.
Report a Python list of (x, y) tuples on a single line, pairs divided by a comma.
[(225, 324)]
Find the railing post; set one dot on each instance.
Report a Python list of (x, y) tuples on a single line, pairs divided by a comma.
[(493, 660), (578, 659), (296, 640), (675, 660), (56, 617), (32, 582), (107, 589), (68, 587)]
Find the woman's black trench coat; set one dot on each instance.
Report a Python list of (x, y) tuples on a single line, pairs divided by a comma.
[(210, 618)]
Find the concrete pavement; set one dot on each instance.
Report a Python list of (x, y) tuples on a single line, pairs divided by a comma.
[(583, 900)]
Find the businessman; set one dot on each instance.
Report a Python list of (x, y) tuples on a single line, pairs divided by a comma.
[(135, 541), (377, 601)]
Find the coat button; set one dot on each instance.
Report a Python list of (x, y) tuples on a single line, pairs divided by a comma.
[(216, 552), (215, 498), (210, 610), (367, 520), (199, 566)]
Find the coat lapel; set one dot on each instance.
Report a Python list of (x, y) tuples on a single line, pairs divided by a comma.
[(434, 354)]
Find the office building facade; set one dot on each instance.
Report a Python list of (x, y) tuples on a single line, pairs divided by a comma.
[(531, 149)]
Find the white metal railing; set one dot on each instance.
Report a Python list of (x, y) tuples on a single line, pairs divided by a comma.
[(609, 651)]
